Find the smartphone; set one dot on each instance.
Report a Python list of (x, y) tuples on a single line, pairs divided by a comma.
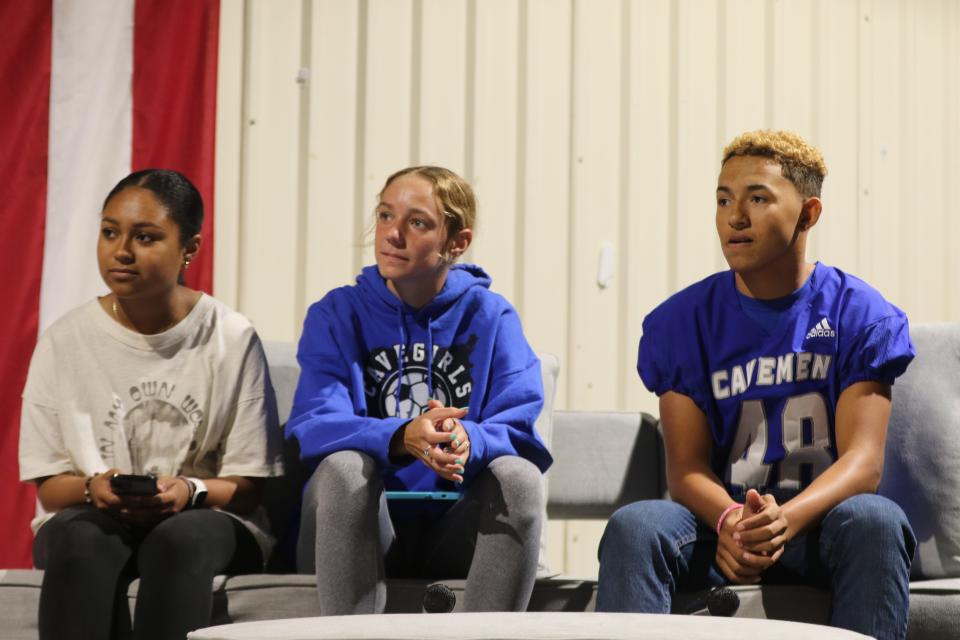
[(423, 495), (124, 484)]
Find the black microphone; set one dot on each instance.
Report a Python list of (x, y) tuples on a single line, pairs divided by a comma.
[(722, 601), (439, 598)]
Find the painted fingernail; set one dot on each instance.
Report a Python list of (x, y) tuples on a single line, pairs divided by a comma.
[(453, 436), (456, 443), (459, 461)]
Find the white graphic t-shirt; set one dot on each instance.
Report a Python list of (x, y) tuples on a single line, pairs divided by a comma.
[(195, 400)]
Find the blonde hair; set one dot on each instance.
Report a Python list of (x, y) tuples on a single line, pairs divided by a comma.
[(801, 163), (457, 201)]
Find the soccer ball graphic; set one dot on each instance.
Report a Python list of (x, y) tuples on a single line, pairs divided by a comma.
[(414, 394)]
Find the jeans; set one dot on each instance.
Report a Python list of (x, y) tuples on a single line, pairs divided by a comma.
[(862, 551)]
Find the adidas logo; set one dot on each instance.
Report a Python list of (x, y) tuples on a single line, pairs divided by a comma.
[(821, 330)]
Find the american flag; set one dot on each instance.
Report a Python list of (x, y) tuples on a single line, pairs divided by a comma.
[(91, 90)]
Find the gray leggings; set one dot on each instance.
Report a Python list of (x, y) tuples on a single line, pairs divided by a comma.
[(491, 536)]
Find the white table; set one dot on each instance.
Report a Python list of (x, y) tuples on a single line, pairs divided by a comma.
[(521, 626)]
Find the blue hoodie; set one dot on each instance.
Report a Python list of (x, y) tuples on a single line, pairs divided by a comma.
[(466, 344)]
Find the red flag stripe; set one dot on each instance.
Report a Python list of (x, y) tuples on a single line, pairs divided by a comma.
[(175, 102), (25, 66)]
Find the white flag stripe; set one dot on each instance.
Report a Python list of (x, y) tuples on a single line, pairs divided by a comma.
[(90, 142)]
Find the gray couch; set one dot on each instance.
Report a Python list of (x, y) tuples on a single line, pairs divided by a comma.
[(607, 459)]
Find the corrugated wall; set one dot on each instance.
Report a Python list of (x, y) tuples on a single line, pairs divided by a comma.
[(585, 126)]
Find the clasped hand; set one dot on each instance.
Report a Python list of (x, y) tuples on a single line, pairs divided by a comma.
[(171, 498), (438, 439), (751, 539)]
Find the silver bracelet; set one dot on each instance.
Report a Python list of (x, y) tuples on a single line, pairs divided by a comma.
[(87, 498), (191, 490)]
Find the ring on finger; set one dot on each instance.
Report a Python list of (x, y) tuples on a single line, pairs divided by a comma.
[(426, 452)]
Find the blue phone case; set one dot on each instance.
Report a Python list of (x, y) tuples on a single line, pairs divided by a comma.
[(423, 495)]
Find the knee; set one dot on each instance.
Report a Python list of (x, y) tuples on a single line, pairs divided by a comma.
[(873, 517), (344, 475), (520, 484), (176, 545), (634, 529), (79, 542), (172, 538)]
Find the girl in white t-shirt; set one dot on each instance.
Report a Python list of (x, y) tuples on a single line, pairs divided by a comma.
[(156, 379)]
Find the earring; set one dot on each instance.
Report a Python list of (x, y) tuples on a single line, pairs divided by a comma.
[(186, 263)]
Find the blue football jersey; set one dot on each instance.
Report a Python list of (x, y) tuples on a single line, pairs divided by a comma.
[(770, 390)]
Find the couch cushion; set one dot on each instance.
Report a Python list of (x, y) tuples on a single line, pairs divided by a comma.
[(19, 599), (797, 603), (933, 606), (933, 603), (934, 609), (273, 596), (284, 374), (602, 461), (922, 470)]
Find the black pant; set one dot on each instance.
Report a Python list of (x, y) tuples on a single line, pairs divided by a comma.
[(89, 559)]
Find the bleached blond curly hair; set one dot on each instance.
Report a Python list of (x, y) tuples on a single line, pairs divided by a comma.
[(801, 163)]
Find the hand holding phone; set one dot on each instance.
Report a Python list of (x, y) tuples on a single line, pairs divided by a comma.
[(126, 484)]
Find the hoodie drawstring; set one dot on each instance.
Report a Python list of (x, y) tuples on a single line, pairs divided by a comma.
[(401, 354), (430, 356)]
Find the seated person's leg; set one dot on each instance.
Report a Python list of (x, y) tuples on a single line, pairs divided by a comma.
[(83, 552), (177, 562), (649, 550), (345, 532), (867, 546), (492, 535), (504, 566)]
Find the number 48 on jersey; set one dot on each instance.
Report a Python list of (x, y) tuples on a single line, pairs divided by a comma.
[(788, 449)]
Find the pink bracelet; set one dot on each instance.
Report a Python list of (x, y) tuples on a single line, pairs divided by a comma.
[(723, 516)]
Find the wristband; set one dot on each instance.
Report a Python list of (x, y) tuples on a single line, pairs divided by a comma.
[(199, 493), (723, 516)]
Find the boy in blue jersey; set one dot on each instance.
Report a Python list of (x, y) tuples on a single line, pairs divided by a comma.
[(774, 383)]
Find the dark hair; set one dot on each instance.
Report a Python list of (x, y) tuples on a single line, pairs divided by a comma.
[(174, 191)]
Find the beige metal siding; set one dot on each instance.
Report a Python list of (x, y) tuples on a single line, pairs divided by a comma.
[(582, 124)]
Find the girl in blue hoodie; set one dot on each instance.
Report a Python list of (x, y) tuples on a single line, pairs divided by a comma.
[(419, 378)]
